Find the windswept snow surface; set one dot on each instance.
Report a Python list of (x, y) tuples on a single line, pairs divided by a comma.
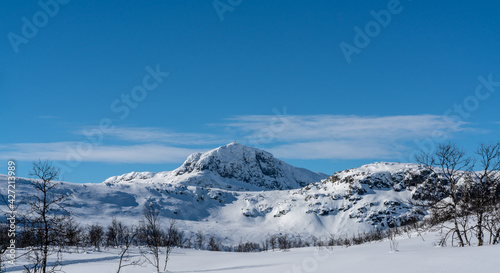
[(357, 200), (413, 255)]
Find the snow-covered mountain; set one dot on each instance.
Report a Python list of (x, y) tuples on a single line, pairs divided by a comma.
[(233, 166), (241, 193)]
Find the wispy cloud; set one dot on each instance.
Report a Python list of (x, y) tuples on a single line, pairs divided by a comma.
[(315, 127), (286, 136), (71, 151), (333, 149), (342, 137), (136, 145), (158, 135)]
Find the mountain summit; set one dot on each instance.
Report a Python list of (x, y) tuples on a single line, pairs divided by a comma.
[(232, 166)]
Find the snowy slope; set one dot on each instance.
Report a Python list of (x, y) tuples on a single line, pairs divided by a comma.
[(413, 256), (373, 196), (201, 195)]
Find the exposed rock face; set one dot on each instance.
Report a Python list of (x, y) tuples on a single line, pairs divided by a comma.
[(234, 166), (379, 194)]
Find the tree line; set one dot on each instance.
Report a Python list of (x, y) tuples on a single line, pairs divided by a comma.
[(462, 196), (463, 193)]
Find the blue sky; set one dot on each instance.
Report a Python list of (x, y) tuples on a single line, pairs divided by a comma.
[(107, 87)]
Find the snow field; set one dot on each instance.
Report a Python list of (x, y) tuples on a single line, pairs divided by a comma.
[(413, 255)]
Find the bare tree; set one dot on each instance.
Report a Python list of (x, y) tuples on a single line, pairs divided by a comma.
[(122, 231), (95, 235), (284, 242), (188, 242), (393, 243), (111, 234), (265, 244), (483, 186), (152, 234), (450, 164), (128, 238), (170, 241), (47, 209), (115, 233), (273, 241), (493, 225), (199, 239), (4, 243), (71, 233), (214, 244)]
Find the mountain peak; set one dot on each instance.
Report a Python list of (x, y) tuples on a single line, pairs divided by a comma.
[(235, 148), (232, 166), (250, 165)]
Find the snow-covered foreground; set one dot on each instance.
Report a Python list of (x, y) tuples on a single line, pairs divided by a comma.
[(414, 255)]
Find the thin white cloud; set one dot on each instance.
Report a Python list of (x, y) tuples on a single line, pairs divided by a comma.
[(85, 152), (153, 134), (342, 137), (336, 150), (314, 127), (286, 136)]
